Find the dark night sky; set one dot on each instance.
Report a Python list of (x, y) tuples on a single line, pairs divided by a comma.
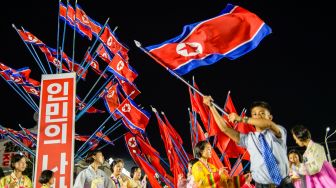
[(291, 68)]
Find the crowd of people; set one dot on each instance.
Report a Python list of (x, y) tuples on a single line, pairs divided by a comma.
[(91, 177), (271, 164)]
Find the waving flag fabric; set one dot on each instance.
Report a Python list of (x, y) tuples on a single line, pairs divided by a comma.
[(31, 90), (151, 154), (30, 38), (119, 67), (110, 97), (68, 15), (94, 65), (103, 53), (112, 43), (102, 136), (132, 146), (245, 127), (83, 19), (173, 133), (76, 67), (197, 129), (152, 175), (14, 75), (3, 66), (134, 143), (230, 108), (80, 105), (232, 34), (176, 163), (137, 118), (206, 116), (129, 89)]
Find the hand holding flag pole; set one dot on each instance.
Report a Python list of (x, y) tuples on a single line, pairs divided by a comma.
[(138, 44)]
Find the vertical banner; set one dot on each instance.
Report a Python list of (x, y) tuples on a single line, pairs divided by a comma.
[(56, 130)]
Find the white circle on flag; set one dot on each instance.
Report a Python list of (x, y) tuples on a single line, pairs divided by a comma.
[(132, 142), (34, 91), (56, 62), (16, 80), (85, 19), (109, 41), (189, 49), (93, 65), (126, 108), (120, 65), (32, 39), (110, 95)]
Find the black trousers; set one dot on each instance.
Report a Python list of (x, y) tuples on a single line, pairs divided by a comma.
[(285, 183)]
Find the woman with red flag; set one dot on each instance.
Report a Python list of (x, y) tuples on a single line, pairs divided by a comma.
[(206, 174)]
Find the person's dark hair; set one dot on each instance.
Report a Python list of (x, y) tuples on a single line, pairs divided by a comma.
[(2, 174), (133, 169), (262, 104), (193, 161), (301, 132), (297, 153), (199, 148), (15, 158), (115, 162), (45, 176), (89, 158)]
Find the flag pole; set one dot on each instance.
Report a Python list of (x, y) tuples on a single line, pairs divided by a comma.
[(101, 127), (94, 85), (94, 98), (191, 132), (100, 33), (58, 31), (114, 127), (63, 38), (37, 59), (91, 48), (28, 136), (138, 44), (235, 166), (12, 137), (184, 152), (20, 93), (31, 45), (244, 167), (74, 39)]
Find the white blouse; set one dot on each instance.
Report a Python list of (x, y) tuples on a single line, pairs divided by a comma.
[(313, 159)]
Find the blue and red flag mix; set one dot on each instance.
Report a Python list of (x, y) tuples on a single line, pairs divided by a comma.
[(233, 33)]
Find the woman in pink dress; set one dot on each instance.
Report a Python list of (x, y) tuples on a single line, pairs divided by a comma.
[(319, 172), (295, 163)]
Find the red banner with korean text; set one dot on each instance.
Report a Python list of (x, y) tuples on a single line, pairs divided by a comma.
[(56, 131)]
